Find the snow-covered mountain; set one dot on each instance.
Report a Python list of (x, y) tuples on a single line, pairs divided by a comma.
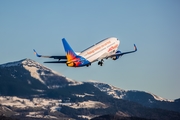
[(27, 84), (45, 75), (120, 93), (144, 98), (109, 89)]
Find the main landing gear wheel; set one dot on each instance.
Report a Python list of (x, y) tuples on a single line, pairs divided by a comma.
[(88, 65), (100, 62)]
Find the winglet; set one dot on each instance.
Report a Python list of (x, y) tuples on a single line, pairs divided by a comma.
[(135, 48), (36, 53)]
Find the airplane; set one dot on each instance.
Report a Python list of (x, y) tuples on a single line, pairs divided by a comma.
[(106, 48)]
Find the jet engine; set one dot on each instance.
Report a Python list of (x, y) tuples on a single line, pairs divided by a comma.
[(116, 57), (71, 64)]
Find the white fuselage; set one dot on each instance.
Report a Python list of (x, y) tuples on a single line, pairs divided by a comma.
[(101, 49)]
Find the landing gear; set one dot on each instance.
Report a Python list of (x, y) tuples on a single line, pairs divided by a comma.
[(88, 65), (101, 62)]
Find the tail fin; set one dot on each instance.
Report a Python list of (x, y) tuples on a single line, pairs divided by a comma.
[(70, 54)]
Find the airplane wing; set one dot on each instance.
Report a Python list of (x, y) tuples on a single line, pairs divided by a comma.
[(121, 54), (107, 55), (55, 62), (55, 57)]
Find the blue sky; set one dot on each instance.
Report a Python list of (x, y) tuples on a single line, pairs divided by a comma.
[(153, 25)]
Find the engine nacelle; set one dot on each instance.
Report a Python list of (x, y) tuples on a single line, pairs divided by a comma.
[(71, 64), (116, 57)]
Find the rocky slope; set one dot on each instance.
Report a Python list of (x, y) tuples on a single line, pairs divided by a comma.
[(31, 90)]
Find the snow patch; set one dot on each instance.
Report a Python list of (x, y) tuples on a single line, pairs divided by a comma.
[(109, 89), (5, 109), (150, 101), (29, 82), (13, 76), (55, 108), (85, 94), (35, 115), (37, 69), (23, 103), (12, 64), (34, 73), (120, 93), (39, 115), (38, 90), (50, 117), (88, 104), (87, 117), (160, 98), (40, 72), (73, 82), (93, 81)]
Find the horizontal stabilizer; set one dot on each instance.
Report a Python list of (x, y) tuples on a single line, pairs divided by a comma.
[(55, 62), (55, 57)]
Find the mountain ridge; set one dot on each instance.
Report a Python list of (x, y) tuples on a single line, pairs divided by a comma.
[(28, 79), (38, 71), (105, 89), (28, 64)]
